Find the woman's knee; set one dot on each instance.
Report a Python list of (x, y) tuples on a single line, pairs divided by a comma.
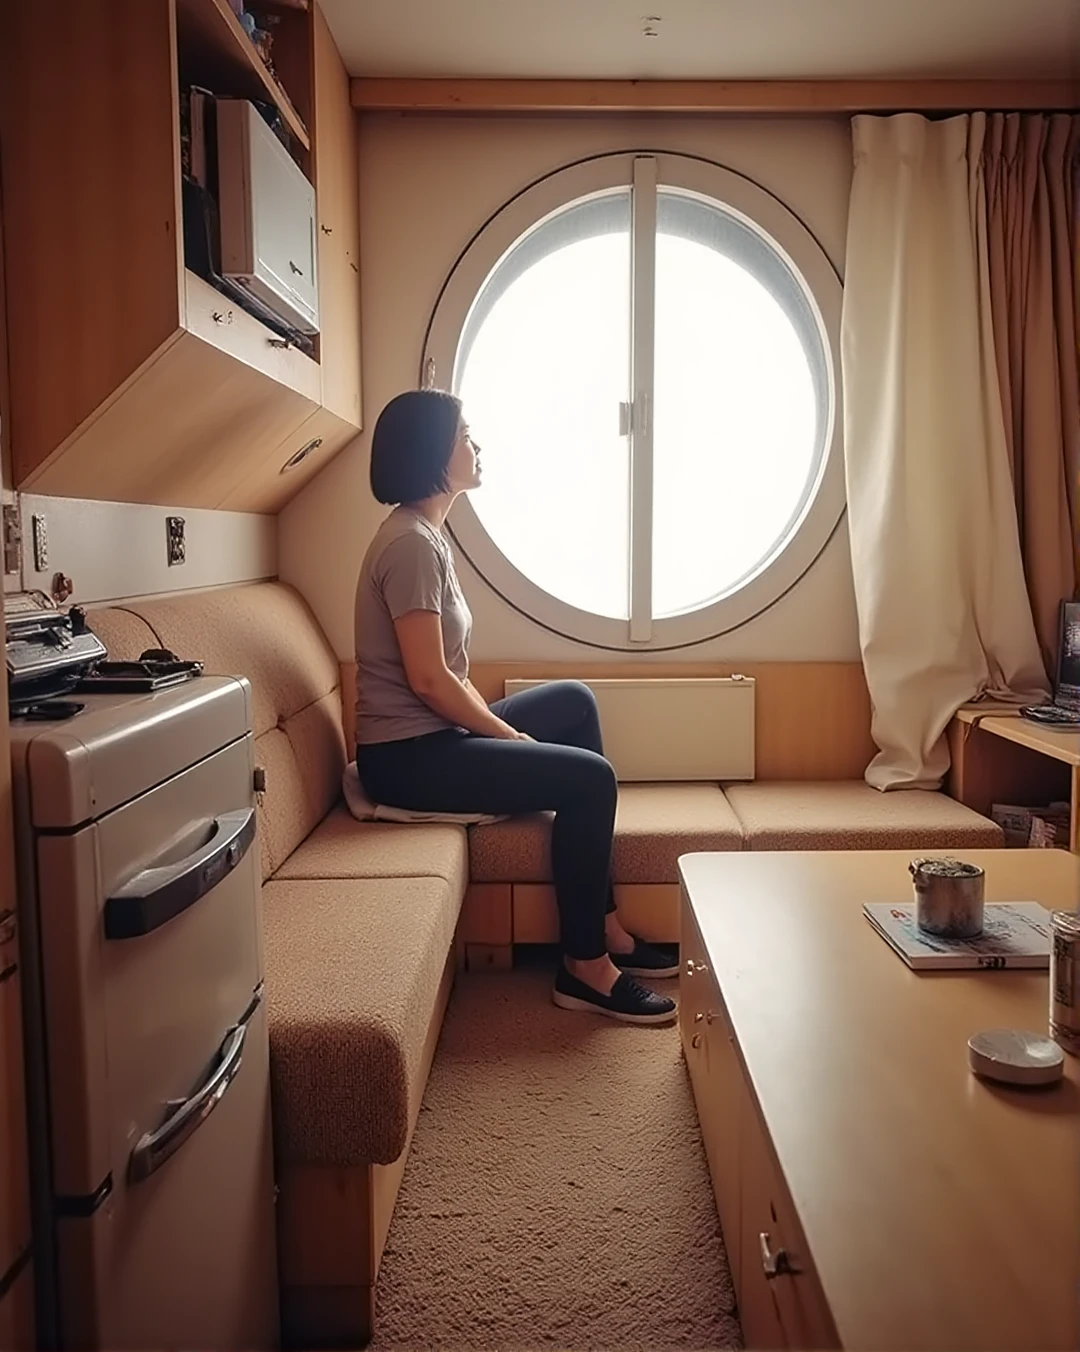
[(578, 699), (597, 776)]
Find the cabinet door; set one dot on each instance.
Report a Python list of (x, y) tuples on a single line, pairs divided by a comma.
[(336, 152), (692, 1000), (780, 1301), (758, 1308), (720, 1124), (268, 485), (714, 1074)]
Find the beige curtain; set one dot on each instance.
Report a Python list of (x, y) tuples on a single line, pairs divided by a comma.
[(939, 585), (1028, 163)]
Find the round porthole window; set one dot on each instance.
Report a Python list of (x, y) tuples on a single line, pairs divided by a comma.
[(646, 349)]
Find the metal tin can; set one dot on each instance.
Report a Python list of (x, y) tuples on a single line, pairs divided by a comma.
[(1065, 980), (948, 897)]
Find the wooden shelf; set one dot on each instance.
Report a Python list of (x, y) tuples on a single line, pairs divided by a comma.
[(215, 51)]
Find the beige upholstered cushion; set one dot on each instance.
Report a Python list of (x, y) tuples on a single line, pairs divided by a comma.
[(850, 815), (514, 851), (342, 847), (267, 633), (654, 824), (352, 973)]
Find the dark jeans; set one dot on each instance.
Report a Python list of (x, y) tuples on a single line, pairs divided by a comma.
[(563, 770)]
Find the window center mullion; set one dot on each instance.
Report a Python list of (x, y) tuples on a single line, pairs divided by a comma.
[(642, 347)]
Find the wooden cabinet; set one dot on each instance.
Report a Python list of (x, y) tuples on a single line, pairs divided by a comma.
[(337, 159), (133, 379), (715, 1075), (780, 1302)]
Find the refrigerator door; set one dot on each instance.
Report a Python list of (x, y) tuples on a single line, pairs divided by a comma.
[(185, 1257), (161, 1161)]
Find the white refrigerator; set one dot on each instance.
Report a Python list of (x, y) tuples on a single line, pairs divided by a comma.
[(148, 1071)]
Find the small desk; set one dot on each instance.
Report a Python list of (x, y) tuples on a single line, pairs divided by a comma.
[(919, 1209), (999, 757)]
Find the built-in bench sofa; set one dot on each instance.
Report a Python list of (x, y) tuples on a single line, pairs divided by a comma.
[(365, 924)]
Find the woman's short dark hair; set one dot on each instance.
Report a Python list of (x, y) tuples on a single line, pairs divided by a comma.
[(412, 444)]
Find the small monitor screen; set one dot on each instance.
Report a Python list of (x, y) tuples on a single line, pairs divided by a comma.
[(1069, 657)]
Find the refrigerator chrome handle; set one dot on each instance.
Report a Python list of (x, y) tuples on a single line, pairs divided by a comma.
[(155, 1147), (156, 895)]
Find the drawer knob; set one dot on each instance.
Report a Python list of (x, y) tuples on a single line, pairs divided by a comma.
[(776, 1264), (698, 1017)]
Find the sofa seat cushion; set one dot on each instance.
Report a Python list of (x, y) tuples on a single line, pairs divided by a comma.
[(352, 976), (342, 847), (850, 815), (654, 824)]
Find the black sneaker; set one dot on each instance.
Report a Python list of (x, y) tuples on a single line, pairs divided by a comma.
[(628, 1001), (647, 960)]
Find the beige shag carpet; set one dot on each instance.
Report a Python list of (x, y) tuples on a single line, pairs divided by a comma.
[(556, 1194)]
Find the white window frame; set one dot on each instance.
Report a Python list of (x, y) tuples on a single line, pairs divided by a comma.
[(824, 505)]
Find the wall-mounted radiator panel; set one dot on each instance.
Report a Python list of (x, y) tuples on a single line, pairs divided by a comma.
[(656, 730)]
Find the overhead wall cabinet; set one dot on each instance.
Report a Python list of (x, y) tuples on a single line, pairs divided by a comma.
[(132, 377)]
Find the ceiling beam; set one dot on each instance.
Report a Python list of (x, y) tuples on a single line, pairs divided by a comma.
[(372, 95)]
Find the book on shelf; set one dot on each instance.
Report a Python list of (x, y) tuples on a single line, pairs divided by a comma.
[(1015, 934)]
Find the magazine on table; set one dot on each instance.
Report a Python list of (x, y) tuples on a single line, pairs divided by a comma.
[(1015, 934)]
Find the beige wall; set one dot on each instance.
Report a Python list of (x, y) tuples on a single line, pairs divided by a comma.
[(426, 186), (117, 550)]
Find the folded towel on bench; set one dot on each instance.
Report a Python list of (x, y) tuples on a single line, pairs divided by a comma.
[(366, 811)]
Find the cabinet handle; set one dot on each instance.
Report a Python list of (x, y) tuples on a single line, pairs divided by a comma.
[(710, 1017), (692, 967), (695, 1041), (327, 229), (299, 272), (698, 1017), (776, 1264), (7, 926)]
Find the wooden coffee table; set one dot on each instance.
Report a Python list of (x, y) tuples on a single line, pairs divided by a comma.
[(873, 1193)]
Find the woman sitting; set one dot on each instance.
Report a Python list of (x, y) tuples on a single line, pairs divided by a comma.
[(428, 741)]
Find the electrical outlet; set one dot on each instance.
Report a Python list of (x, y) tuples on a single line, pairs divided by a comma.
[(174, 540), (12, 537)]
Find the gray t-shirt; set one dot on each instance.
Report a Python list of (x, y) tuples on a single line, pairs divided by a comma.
[(408, 566)]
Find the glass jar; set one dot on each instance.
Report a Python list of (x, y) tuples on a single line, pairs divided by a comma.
[(1065, 980)]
